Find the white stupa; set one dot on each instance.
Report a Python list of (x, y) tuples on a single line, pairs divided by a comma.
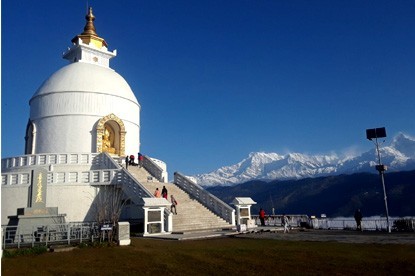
[(84, 120), (85, 106), (81, 113)]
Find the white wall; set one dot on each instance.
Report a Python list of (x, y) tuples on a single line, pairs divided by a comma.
[(73, 200), (13, 197)]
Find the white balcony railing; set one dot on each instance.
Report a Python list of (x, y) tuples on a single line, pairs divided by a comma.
[(95, 160)]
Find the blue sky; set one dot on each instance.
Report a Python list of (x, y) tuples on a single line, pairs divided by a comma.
[(217, 80)]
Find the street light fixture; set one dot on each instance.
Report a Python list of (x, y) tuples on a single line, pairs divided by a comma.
[(375, 133)]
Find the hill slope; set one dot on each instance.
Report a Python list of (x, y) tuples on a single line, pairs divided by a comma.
[(332, 195)]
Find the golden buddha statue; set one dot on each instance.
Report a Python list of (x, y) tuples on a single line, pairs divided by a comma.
[(107, 144)]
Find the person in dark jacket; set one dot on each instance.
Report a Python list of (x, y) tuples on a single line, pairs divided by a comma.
[(140, 159), (164, 192), (132, 163), (358, 217)]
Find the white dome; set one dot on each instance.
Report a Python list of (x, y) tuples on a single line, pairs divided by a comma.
[(85, 77), (67, 108)]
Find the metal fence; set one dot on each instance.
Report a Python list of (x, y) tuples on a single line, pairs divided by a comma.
[(275, 220), (342, 223), (45, 235), (369, 224)]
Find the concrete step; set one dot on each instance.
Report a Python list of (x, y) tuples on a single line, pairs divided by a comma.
[(192, 215)]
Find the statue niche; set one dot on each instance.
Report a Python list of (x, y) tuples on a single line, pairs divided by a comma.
[(108, 141), (110, 135)]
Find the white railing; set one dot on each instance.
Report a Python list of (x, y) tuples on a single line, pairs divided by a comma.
[(370, 223), (210, 201), (38, 235), (276, 220), (92, 177), (131, 187), (95, 160), (153, 168), (15, 170), (68, 177), (339, 223), (107, 161), (108, 171), (12, 179)]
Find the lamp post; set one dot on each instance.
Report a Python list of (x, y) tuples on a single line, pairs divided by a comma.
[(375, 133)]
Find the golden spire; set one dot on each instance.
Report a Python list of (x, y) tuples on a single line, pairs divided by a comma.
[(89, 27), (89, 34)]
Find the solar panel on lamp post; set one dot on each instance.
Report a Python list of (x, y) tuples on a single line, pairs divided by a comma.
[(375, 133)]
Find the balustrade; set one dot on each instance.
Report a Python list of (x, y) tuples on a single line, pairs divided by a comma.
[(213, 203), (152, 167)]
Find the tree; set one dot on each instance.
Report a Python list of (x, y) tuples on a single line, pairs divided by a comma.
[(108, 205)]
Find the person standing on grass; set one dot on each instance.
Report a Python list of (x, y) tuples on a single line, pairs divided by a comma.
[(262, 216), (358, 218)]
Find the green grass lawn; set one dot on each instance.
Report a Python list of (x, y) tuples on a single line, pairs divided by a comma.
[(223, 256)]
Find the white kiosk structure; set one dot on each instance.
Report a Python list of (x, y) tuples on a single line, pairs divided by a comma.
[(243, 212), (155, 216)]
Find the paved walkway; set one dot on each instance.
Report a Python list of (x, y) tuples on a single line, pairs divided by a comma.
[(277, 233), (345, 236)]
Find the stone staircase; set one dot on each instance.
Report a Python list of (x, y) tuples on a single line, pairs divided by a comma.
[(191, 215)]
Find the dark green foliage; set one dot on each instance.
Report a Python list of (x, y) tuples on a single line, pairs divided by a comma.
[(84, 245), (96, 244), (37, 250), (332, 195)]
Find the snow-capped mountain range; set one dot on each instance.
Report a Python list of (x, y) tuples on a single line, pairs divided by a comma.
[(398, 156)]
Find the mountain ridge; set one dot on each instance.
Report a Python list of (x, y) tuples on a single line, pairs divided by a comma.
[(398, 156), (337, 195)]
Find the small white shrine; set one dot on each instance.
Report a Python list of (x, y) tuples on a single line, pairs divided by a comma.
[(155, 216), (243, 212)]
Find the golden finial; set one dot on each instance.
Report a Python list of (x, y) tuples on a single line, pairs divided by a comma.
[(89, 26), (89, 34)]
